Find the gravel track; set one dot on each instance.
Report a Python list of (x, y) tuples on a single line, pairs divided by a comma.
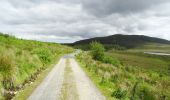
[(50, 88)]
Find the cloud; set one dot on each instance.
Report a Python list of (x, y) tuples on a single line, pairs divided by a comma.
[(104, 8), (72, 20)]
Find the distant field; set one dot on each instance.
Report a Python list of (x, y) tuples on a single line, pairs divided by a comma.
[(152, 47), (136, 57), (141, 61)]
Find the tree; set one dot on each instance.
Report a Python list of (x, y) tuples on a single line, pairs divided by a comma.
[(97, 50)]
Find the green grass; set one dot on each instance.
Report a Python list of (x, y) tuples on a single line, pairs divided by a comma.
[(105, 88), (140, 60), (21, 60), (26, 92), (126, 82), (97, 74), (137, 76), (152, 47)]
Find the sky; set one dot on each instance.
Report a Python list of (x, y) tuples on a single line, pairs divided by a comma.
[(66, 21)]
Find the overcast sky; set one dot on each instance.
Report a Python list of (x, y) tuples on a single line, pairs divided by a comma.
[(72, 20)]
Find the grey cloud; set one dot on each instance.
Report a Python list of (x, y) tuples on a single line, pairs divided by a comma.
[(71, 20), (107, 7)]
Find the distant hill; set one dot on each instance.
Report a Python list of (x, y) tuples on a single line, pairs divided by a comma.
[(125, 41)]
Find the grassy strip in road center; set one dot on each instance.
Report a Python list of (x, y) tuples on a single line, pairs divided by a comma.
[(69, 90)]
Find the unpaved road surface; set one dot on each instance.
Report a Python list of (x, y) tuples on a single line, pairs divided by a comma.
[(50, 88), (66, 81)]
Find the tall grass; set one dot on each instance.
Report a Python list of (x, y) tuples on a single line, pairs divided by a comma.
[(22, 60), (126, 82), (8, 70)]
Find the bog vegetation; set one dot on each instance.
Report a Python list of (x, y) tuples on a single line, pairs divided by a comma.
[(118, 79), (22, 60)]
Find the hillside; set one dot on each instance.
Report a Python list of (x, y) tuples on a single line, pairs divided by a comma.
[(22, 60), (125, 41), (127, 82), (127, 74)]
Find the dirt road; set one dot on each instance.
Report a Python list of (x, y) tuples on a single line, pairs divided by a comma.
[(66, 81)]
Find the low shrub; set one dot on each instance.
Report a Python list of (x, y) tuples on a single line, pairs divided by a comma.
[(97, 51), (119, 94), (169, 69), (111, 60), (43, 54), (144, 92), (114, 78)]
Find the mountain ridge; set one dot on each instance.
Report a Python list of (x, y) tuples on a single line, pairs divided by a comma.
[(127, 41)]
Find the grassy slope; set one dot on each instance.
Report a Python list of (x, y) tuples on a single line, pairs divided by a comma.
[(21, 59), (126, 82), (141, 76), (26, 92)]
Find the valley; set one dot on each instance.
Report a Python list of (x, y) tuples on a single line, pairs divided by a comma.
[(94, 71)]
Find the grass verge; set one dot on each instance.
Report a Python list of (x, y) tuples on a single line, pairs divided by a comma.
[(22, 60), (96, 79), (125, 82), (26, 92)]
